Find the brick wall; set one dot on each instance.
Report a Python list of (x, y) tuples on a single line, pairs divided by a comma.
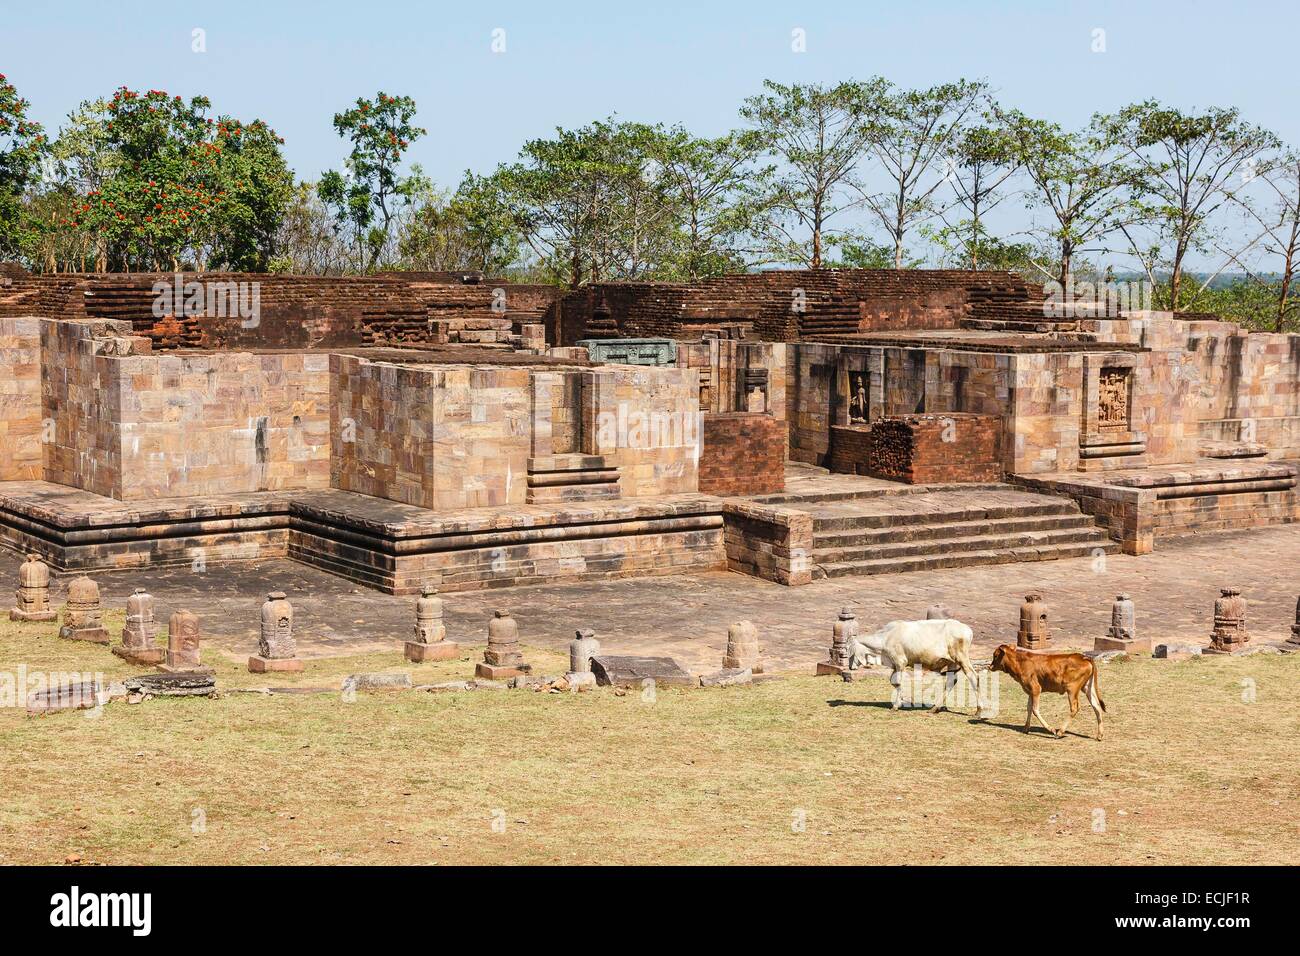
[(742, 454), (294, 311), (789, 305), (928, 449)]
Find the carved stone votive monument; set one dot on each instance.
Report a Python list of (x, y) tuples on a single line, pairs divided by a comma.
[(582, 649), (1033, 633), (139, 632), (1122, 635), (502, 658), (1294, 639), (183, 645), (743, 649), (429, 642), (844, 630), (276, 648), (1229, 635), (83, 617), (33, 592)]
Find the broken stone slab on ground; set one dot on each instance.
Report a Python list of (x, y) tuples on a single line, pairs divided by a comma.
[(173, 684), (82, 695), (1176, 652), (355, 682), (629, 671), (728, 677)]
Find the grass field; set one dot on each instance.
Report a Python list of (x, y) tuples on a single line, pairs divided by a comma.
[(799, 770)]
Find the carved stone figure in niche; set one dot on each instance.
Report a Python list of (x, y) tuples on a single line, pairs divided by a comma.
[(858, 403), (1112, 398)]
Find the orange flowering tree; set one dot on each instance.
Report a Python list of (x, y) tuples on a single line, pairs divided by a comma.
[(22, 146), (184, 187)]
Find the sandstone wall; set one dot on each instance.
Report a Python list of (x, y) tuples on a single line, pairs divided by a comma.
[(219, 423), (132, 425), (646, 422), (444, 438), (81, 401), (21, 453)]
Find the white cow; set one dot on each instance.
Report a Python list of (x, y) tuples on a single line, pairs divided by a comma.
[(942, 646)]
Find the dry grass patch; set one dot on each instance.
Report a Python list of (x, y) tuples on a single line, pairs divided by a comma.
[(801, 770)]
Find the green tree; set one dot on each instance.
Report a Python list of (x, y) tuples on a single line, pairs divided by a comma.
[(721, 195), (370, 196), (1277, 224), (593, 203), (1189, 164), (818, 134), (469, 230), (22, 147), (1080, 179), (159, 185), (911, 137), (981, 161)]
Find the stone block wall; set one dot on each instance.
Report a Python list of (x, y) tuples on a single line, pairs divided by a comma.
[(220, 423), (21, 452), (645, 422), (133, 425), (81, 401), (811, 375), (743, 454), (769, 542), (440, 437)]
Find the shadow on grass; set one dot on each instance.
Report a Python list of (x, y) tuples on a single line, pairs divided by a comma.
[(840, 702)]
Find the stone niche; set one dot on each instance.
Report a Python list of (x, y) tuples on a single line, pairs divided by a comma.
[(1107, 438)]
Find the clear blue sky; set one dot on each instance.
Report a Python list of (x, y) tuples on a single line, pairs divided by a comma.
[(296, 64)]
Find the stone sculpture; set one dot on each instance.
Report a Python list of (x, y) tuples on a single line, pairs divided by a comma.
[(83, 617), (1033, 632), (139, 632), (502, 658), (183, 645), (33, 592), (276, 648), (743, 650), (843, 631), (1229, 635), (429, 642)]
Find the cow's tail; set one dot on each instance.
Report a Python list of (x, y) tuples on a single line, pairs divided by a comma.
[(1094, 689)]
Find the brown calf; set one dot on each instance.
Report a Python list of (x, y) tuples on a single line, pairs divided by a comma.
[(1055, 673)]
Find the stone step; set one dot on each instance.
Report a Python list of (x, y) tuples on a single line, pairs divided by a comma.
[(993, 527), (1085, 534), (976, 512), (962, 559), (555, 494)]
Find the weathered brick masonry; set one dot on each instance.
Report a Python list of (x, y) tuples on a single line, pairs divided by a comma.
[(787, 306), (742, 454), (295, 311)]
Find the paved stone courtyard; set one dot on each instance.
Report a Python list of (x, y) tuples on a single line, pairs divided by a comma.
[(687, 616)]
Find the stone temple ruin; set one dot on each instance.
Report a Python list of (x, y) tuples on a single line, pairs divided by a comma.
[(428, 430)]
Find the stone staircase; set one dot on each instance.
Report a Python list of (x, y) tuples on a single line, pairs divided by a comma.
[(947, 529), (563, 478)]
